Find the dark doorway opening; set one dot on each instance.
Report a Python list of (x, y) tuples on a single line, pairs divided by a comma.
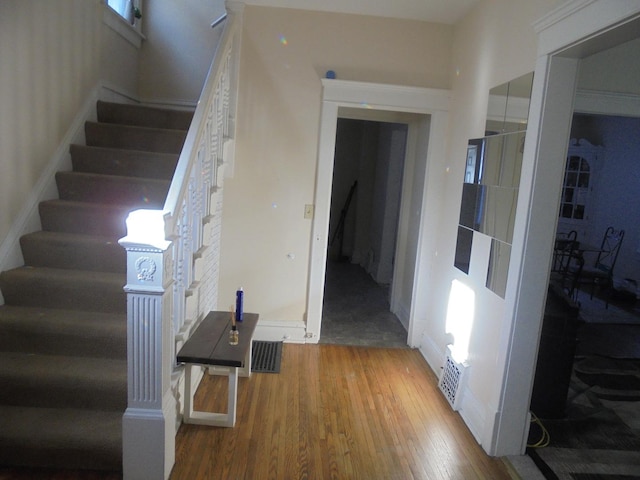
[(365, 208)]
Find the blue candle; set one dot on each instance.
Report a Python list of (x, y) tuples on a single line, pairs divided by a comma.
[(239, 304)]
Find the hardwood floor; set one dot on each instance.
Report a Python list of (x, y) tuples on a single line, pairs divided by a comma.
[(333, 412)]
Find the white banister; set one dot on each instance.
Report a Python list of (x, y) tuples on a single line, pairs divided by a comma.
[(172, 269)]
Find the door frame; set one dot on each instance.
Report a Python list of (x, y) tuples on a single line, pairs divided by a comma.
[(340, 94), (573, 31)]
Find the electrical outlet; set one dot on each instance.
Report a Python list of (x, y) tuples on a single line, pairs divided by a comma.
[(308, 211)]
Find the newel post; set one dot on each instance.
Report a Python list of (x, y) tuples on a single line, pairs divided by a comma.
[(148, 425)]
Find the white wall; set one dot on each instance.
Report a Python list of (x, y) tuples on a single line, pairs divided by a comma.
[(180, 44), (52, 54), (285, 53), (492, 45), (595, 70), (265, 238)]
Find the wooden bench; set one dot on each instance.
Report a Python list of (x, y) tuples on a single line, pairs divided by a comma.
[(209, 346)]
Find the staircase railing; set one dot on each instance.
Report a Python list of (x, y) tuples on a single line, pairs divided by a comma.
[(172, 268)]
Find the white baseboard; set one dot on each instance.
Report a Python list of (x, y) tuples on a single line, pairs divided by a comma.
[(471, 410), (434, 355), (474, 415), (275, 331)]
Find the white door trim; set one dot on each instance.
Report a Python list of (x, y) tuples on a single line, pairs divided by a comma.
[(338, 94), (574, 30)]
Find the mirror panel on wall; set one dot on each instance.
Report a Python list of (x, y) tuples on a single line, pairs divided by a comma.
[(508, 106), (491, 181), (463, 249), (499, 258), (489, 200)]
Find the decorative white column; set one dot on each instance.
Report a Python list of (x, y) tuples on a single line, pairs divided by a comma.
[(148, 426)]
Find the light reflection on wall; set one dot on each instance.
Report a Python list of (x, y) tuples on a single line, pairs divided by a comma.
[(460, 317)]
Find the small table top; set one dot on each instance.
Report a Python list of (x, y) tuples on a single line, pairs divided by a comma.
[(209, 344)]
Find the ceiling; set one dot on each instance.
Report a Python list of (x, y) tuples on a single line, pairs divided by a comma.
[(439, 11)]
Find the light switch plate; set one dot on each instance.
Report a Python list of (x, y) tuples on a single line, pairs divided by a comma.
[(308, 211)]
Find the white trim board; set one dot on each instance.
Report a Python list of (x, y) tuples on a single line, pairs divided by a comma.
[(607, 103), (348, 95), (576, 29)]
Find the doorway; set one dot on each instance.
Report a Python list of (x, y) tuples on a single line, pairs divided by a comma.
[(365, 208), (564, 41), (425, 111), (366, 193)]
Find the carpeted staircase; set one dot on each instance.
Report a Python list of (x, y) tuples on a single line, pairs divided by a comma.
[(63, 369)]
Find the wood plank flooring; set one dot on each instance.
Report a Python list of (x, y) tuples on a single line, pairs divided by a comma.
[(333, 412)]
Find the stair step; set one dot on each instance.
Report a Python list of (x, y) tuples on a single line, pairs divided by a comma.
[(65, 289), (56, 381), (115, 161), (61, 438), (134, 138), (84, 218), (73, 251), (112, 190), (141, 115), (50, 331)]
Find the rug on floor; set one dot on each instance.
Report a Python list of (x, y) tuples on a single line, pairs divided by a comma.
[(599, 439), (266, 357)]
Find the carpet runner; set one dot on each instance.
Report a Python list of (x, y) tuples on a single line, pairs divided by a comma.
[(63, 359)]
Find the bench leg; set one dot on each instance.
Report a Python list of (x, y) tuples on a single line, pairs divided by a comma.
[(209, 418)]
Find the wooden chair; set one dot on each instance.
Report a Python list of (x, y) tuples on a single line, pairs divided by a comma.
[(600, 274)]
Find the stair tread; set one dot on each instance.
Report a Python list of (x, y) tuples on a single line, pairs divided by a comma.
[(84, 217), (69, 438), (124, 151), (73, 318), (63, 381), (112, 189), (115, 208), (64, 288), (116, 178), (150, 139), (106, 278), (73, 251), (73, 237), (53, 331), (125, 162), (46, 367), (144, 114), (139, 128)]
